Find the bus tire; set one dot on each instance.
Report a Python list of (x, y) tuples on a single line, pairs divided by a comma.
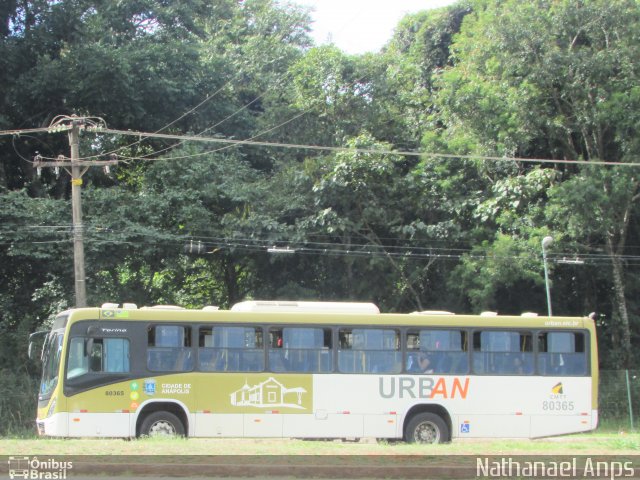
[(426, 428), (162, 424)]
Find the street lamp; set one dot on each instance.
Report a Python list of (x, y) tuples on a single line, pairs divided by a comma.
[(546, 242)]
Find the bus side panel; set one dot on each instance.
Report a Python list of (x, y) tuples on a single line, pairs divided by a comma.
[(509, 425), (381, 426), (323, 425), (219, 425), (85, 424), (105, 411), (479, 406), (566, 409), (533, 406), (546, 426), (384, 400), (262, 425)]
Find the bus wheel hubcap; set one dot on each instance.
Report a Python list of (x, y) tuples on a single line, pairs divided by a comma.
[(162, 428), (427, 432)]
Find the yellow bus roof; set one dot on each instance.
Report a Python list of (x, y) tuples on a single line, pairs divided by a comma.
[(439, 319)]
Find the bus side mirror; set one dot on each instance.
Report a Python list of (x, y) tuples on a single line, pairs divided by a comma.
[(36, 339)]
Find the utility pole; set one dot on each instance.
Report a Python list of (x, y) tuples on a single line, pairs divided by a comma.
[(73, 124), (76, 207)]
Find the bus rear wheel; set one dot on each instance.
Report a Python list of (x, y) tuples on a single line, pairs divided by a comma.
[(162, 424), (426, 428)]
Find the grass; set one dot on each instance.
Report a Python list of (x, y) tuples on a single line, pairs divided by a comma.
[(294, 458), (582, 444), (610, 438)]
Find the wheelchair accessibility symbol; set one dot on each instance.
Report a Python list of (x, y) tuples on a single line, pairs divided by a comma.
[(465, 427)]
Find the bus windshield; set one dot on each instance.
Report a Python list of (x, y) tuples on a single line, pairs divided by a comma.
[(51, 365)]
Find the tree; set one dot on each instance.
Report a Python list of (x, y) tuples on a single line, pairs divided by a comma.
[(597, 208), (553, 80)]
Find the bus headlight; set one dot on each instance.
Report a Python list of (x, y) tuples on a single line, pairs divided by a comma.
[(52, 407)]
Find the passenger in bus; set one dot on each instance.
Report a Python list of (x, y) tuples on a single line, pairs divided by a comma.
[(518, 367), (419, 363), (424, 363)]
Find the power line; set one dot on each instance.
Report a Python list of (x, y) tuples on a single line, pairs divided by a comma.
[(98, 128), (264, 132), (20, 132), (194, 138), (251, 142), (216, 244), (190, 111), (402, 243), (88, 228), (253, 137), (182, 142), (208, 152)]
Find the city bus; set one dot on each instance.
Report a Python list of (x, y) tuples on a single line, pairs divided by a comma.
[(315, 370)]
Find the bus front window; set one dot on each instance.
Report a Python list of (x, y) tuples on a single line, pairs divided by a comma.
[(78, 359), (51, 366)]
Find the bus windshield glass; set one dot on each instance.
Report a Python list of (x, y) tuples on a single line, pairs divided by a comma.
[(99, 355), (51, 365)]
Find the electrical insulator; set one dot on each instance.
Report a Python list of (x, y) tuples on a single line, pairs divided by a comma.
[(194, 247)]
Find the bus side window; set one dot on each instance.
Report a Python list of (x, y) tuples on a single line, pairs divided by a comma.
[(110, 355), (300, 349), (169, 348), (230, 349), (277, 361), (502, 352), (562, 353), (116, 354), (369, 350), (445, 350)]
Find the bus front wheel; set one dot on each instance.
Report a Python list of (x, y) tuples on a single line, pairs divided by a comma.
[(427, 428), (162, 424)]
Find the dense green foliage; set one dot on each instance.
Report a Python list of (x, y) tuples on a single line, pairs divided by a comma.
[(472, 90)]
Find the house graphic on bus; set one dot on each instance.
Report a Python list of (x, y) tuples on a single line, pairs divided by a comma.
[(270, 393)]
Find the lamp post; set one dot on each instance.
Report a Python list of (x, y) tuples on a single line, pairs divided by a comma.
[(546, 242)]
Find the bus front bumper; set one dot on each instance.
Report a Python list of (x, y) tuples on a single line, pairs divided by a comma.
[(57, 425)]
